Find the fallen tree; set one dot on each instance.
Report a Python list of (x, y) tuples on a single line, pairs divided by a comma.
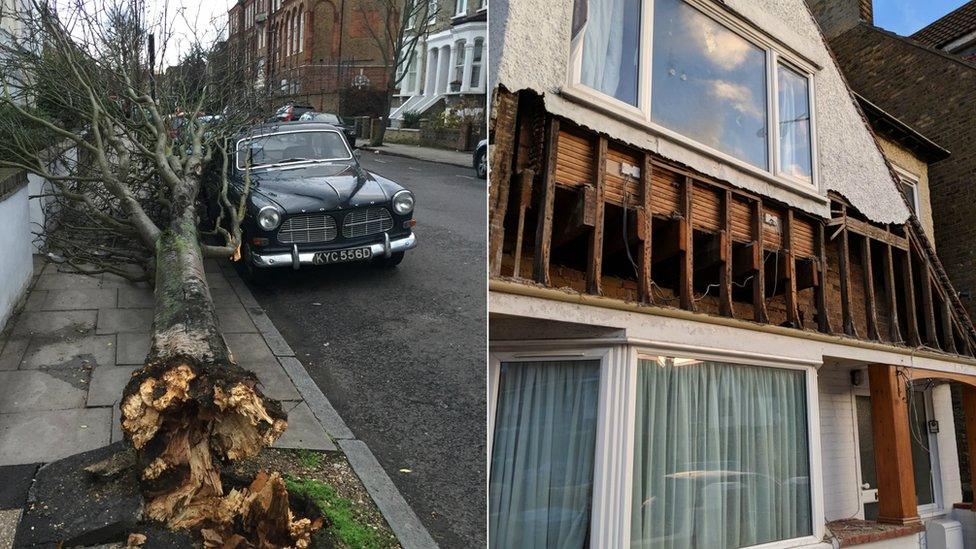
[(124, 149)]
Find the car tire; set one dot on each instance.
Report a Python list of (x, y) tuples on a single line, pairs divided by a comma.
[(247, 270), (481, 164), (392, 261)]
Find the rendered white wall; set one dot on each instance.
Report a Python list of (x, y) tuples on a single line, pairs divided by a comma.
[(840, 476), (17, 265)]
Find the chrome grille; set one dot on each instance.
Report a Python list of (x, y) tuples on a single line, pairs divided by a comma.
[(307, 228), (365, 222)]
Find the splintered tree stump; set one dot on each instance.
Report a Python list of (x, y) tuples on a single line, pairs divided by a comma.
[(191, 408)]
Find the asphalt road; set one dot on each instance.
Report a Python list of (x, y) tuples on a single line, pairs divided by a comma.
[(401, 352)]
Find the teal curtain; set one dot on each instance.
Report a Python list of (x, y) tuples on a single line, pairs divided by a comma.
[(721, 456), (542, 454)]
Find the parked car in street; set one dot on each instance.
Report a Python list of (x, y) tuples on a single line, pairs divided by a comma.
[(290, 112), (312, 203), (349, 130), (480, 159)]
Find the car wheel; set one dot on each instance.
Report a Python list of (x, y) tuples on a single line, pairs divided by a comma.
[(248, 271), (392, 261), (482, 165)]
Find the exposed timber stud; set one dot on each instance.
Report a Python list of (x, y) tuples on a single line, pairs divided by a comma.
[(758, 265), (543, 233), (524, 197), (594, 264), (892, 446), (844, 268), (792, 310), (823, 319), (947, 328), (725, 273), (502, 154), (928, 308), (911, 315), (646, 223), (894, 335), (870, 311), (686, 243)]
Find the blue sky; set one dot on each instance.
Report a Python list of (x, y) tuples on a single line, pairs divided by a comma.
[(907, 16)]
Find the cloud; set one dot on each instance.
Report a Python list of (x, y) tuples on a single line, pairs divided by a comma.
[(721, 47), (738, 97)]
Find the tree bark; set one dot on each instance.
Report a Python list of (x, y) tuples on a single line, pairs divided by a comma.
[(191, 408)]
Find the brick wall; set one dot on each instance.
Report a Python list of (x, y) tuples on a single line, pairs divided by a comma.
[(935, 94), (837, 16)]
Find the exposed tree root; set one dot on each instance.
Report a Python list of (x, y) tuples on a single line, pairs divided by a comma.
[(191, 408)]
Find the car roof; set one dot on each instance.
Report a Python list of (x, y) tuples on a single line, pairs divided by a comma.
[(273, 127)]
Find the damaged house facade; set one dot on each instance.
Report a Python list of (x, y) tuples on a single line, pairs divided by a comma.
[(717, 319)]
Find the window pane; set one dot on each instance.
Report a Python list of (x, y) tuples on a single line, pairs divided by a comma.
[(611, 48), (794, 124), (909, 188), (708, 83), (542, 454), (921, 452), (721, 456)]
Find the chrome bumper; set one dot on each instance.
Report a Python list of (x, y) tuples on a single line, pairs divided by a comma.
[(295, 259)]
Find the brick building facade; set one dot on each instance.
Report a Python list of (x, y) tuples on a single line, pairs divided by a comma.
[(316, 52)]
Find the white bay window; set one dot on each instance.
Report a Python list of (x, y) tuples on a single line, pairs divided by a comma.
[(697, 75), (631, 447)]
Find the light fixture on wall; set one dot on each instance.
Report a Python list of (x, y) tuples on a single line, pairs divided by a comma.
[(857, 377)]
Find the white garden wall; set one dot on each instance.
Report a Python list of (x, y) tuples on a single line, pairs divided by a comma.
[(15, 242)]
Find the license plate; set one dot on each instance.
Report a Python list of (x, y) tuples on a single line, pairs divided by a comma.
[(343, 256)]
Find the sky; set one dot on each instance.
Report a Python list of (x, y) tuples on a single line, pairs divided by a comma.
[(184, 15), (904, 17)]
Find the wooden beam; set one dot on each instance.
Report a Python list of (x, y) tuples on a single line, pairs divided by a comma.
[(524, 198), (543, 233), (911, 315), (646, 224), (947, 328), (894, 332), (725, 307), (758, 265), (823, 318), (868, 230), (969, 415), (686, 243), (871, 310), (594, 263), (928, 309), (792, 300), (892, 446), (844, 267), (502, 155)]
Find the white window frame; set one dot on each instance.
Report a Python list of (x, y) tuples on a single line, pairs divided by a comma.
[(610, 515), (460, 8), (912, 180), (640, 115)]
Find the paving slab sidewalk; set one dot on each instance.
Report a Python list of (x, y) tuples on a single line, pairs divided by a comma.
[(65, 358), (442, 156)]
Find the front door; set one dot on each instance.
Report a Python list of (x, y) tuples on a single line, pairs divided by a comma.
[(865, 447)]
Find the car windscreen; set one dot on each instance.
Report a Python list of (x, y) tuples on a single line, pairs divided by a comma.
[(298, 146)]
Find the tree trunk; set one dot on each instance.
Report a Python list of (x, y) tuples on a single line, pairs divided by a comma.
[(376, 139), (191, 408)]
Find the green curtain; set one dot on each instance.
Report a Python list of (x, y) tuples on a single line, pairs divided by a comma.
[(542, 454), (721, 456)]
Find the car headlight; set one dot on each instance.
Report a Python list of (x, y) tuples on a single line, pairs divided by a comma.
[(403, 202), (269, 218)]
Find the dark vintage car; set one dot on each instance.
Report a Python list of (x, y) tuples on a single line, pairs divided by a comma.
[(349, 130), (312, 203)]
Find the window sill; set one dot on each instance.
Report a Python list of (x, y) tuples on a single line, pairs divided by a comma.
[(850, 532), (585, 99)]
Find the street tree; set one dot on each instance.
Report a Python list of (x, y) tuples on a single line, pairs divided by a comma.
[(136, 162), (399, 29)]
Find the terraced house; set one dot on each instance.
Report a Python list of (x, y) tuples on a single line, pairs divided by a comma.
[(717, 316)]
